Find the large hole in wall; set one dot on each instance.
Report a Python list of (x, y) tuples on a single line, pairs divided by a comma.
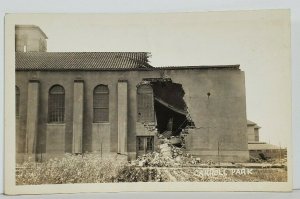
[(171, 111)]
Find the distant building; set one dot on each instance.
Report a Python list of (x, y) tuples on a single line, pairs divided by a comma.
[(268, 150), (116, 103), (259, 149), (252, 131)]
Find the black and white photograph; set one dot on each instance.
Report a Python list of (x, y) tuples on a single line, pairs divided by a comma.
[(142, 99)]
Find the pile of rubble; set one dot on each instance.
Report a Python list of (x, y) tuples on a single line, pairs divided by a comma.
[(169, 155)]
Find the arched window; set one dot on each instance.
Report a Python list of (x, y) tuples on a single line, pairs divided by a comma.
[(17, 101), (101, 104), (56, 104), (145, 103)]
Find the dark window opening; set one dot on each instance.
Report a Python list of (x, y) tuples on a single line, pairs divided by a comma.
[(150, 143), (56, 104), (145, 144), (140, 143), (101, 104)]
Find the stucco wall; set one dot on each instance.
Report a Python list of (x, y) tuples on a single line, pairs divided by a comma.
[(251, 134), (31, 37), (219, 118), (101, 138), (55, 139)]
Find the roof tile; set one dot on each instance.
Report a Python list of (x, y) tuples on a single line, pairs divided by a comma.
[(81, 60)]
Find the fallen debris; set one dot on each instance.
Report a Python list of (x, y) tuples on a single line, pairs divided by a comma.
[(169, 155)]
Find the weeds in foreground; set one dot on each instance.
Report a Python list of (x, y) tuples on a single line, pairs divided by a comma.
[(91, 168)]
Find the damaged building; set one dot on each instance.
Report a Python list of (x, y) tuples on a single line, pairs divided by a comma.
[(117, 103)]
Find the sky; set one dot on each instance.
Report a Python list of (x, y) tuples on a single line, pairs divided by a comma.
[(257, 40)]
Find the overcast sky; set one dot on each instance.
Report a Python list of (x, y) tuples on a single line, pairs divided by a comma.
[(257, 40)]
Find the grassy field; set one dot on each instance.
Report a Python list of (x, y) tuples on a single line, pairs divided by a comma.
[(94, 169)]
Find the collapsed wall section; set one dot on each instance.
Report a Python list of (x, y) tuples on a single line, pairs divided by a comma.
[(170, 107), (165, 101), (208, 106)]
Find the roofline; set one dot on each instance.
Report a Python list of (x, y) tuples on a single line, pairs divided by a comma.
[(225, 67), (257, 127), (256, 142), (33, 52), (232, 66), (251, 123), (31, 26)]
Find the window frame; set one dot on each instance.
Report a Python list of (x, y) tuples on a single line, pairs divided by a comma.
[(145, 143), (145, 91), (56, 105), (150, 143), (140, 143), (101, 105)]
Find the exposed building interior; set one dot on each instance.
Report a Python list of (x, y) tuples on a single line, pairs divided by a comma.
[(171, 111)]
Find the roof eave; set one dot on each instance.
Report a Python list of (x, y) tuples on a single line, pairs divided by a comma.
[(32, 26)]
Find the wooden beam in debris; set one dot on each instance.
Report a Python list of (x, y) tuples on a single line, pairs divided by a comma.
[(177, 110)]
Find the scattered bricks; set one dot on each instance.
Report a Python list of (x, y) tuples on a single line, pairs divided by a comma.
[(142, 163), (166, 154), (175, 140), (169, 155), (165, 145), (178, 159)]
